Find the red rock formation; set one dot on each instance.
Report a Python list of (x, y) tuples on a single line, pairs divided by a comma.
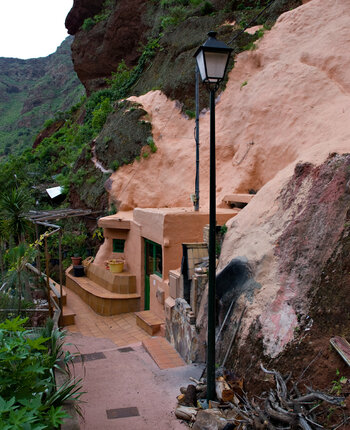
[(81, 10), (96, 53)]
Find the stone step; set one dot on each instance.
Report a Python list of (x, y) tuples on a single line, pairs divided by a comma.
[(163, 353), (149, 322), (238, 199), (100, 300), (68, 316)]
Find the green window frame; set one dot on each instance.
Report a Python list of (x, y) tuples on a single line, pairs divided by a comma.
[(155, 263), (118, 245)]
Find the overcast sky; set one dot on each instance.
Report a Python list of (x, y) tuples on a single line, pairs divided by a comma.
[(32, 28)]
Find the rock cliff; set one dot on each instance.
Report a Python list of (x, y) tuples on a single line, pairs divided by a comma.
[(98, 50), (282, 131)]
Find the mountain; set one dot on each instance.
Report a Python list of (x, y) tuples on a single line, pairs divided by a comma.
[(32, 91)]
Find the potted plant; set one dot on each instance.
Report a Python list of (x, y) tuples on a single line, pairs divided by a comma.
[(76, 260), (116, 265)]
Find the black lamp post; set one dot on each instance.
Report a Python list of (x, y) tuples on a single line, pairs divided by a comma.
[(212, 60)]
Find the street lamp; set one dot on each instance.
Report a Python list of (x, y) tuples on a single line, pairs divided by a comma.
[(212, 60)]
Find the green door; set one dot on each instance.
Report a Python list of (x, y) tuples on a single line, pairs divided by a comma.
[(153, 264)]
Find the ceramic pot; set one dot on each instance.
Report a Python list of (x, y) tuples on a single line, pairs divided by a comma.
[(116, 266)]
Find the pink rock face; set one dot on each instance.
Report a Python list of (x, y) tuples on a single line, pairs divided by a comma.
[(285, 102), (294, 106)]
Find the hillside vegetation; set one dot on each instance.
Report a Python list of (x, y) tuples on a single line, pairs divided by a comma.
[(31, 91)]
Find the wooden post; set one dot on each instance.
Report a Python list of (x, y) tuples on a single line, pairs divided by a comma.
[(47, 279), (60, 270)]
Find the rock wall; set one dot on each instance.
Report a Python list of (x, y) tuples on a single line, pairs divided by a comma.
[(285, 101), (287, 235)]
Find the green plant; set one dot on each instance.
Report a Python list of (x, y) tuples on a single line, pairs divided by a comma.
[(28, 394), (13, 206), (48, 123), (112, 209), (98, 234), (190, 113), (91, 180), (243, 84), (175, 15), (338, 383), (100, 114), (88, 24), (145, 154), (207, 8), (115, 165), (223, 229), (151, 144)]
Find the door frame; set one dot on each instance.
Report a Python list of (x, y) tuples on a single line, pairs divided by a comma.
[(153, 245)]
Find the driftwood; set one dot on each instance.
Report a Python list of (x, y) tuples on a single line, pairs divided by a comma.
[(282, 409)]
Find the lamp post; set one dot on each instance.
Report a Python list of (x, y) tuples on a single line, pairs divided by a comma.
[(212, 60)]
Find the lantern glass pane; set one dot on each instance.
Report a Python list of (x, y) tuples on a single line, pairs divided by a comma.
[(201, 65), (216, 65)]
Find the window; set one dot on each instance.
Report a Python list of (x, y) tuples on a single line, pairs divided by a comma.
[(118, 245), (154, 260)]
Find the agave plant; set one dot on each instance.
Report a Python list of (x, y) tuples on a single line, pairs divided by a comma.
[(13, 206)]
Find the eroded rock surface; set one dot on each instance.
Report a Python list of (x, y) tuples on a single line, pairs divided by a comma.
[(98, 51)]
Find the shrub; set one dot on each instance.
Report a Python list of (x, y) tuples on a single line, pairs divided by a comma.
[(100, 114), (48, 123), (151, 144), (115, 165), (176, 15), (190, 113), (28, 394), (88, 24), (207, 8)]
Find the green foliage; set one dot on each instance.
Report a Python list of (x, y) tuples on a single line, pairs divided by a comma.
[(223, 229), (175, 15), (48, 123), (100, 114), (178, 11), (207, 8), (88, 24), (14, 204), (120, 77), (243, 84), (28, 395), (98, 234), (190, 113), (114, 165), (91, 180), (337, 384), (151, 144)]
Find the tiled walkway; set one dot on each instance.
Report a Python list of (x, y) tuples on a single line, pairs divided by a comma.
[(121, 329)]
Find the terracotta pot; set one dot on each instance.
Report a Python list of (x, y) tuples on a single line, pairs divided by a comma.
[(76, 261)]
